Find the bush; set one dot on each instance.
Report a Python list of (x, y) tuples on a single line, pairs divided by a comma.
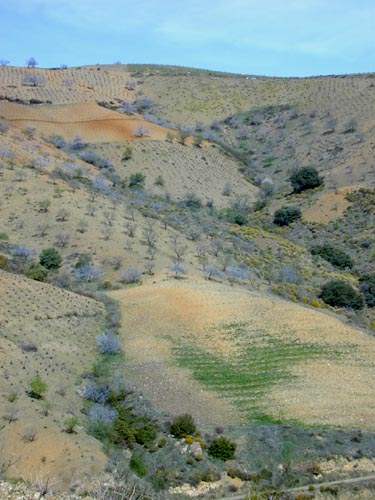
[(50, 258), (234, 216), (367, 287), (334, 255), (286, 215), (338, 293), (191, 200), (146, 434), (94, 159), (137, 180), (305, 178), (70, 425), (183, 426), (137, 465), (130, 276), (37, 388), (108, 343), (4, 262), (37, 272), (222, 448)]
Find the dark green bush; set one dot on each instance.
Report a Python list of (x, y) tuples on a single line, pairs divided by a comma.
[(183, 425), (338, 293), (286, 215), (137, 180), (137, 465), (367, 286), (305, 178), (146, 434), (50, 258), (3, 262), (37, 272), (233, 216), (334, 255), (222, 448)]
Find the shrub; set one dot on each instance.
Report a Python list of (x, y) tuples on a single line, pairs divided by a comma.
[(70, 425), (50, 258), (183, 426), (108, 343), (88, 273), (37, 272), (37, 388), (367, 286), (286, 215), (94, 159), (137, 180), (305, 178), (334, 255), (137, 465), (96, 393), (234, 216), (222, 448), (191, 200), (58, 141), (127, 154), (338, 293), (146, 434), (131, 275), (4, 262), (99, 413)]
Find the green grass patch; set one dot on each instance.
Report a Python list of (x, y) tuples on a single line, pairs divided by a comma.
[(259, 362)]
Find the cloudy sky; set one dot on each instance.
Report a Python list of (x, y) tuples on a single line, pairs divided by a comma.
[(272, 37)]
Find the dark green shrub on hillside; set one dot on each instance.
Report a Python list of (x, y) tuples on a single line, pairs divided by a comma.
[(37, 272), (137, 180), (183, 425), (50, 258), (305, 178), (334, 255), (367, 286), (286, 215), (137, 465), (3, 262), (338, 293), (234, 216), (222, 448)]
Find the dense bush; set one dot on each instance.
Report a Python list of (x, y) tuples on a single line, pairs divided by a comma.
[(50, 258), (222, 448), (37, 272), (130, 276), (286, 215), (4, 262), (367, 286), (94, 159), (137, 180), (334, 255), (305, 178), (338, 293), (183, 425), (234, 216), (191, 200)]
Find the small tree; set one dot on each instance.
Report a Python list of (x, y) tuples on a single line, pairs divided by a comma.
[(222, 448), (338, 293), (31, 62), (183, 426), (50, 258), (37, 272), (305, 178), (286, 215)]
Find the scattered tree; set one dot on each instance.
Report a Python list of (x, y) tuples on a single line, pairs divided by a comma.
[(338, 293), (305, 178), (286, 215)]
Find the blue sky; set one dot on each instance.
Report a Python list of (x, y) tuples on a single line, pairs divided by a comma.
[(272, 37)]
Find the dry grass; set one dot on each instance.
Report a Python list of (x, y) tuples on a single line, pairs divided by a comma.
[(61, 327)]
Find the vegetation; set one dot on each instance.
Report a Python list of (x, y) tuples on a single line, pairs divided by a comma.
[(334, 255), (37, 272), (37, 388), (338, 293), (50, 259), (137, 180), (305, 178), (286, 215), (183, 426), (222, 448), (367, 287)]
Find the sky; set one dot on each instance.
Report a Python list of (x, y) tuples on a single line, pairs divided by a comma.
[(264, 37)]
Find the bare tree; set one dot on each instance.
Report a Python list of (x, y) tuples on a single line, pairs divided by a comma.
[(150, 236), (31, 62), (178, 248)]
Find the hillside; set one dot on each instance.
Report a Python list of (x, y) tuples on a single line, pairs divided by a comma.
[(172, 289)]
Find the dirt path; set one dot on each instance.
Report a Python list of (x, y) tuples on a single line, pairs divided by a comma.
[(316, 486)]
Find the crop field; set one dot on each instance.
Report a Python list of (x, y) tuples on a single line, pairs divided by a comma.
[(267, 365)]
